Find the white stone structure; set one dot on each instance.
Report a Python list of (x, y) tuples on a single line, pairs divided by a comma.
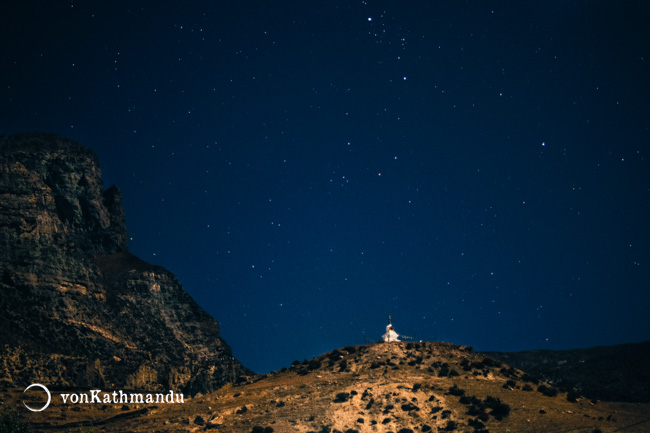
[(390, 334)]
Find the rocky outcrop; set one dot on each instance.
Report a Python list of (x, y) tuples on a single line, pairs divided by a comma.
[(76, 308)]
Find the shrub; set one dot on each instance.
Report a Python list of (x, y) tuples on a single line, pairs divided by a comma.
[(10, 422), (242, 411), (509, 372), (451, 426), (527, 388), (454, 390), (572, 396), (342, 397), (548, 391), (409, 407), (314, 364), (491, 362), (475, 423), (478, 411), (324, 429), (478, 365), (499, 410), (528, 378)]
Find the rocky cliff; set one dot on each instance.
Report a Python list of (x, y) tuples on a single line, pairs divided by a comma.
[(76, 308)]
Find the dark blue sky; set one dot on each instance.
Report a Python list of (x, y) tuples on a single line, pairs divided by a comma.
[(480, 170)]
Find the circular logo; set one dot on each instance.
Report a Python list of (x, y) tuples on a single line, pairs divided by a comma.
[(49, 397)]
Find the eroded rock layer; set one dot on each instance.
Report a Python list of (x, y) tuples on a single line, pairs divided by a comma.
[(76, 308)]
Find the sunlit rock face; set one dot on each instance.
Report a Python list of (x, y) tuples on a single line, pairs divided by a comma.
[(76, 308)]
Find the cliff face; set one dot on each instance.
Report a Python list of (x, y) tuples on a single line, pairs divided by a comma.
[(76, 308)]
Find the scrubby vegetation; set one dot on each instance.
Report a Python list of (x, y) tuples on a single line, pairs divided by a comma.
[(314, 364), (342, 397), (548, 391), (326, 429), (10, 422), (499, 410), (478, 408), (454, 390), (528, 378), (572, 396)]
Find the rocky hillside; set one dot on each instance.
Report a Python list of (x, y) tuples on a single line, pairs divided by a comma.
[(380, 388), (76, 308), (613, 373)]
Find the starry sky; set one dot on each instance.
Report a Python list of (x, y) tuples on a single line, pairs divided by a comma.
[(478, 170)]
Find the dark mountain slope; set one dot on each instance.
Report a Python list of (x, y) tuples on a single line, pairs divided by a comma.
[(612, 373)]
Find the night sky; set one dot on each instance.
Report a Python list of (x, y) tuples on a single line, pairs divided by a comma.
[(480, 171)]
